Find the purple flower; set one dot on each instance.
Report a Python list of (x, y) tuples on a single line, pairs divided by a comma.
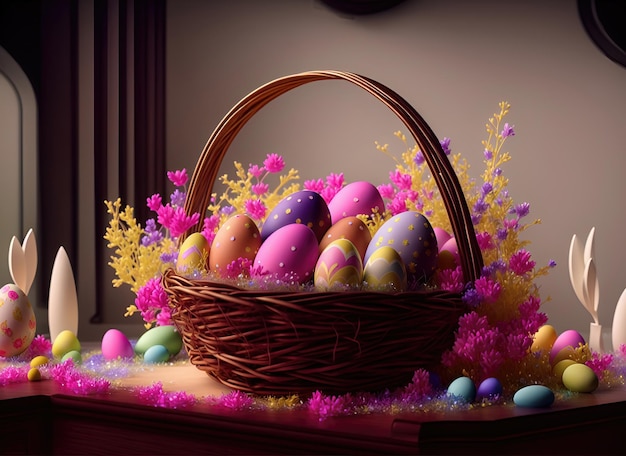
[(486, 189), (177, 198), (445, 145), (522, 210), (178, 177), (488, 154), (507, 131), (419, 158), (274, 163), (481, 206)]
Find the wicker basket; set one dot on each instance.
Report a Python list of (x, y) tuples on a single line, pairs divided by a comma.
[(278, 343)]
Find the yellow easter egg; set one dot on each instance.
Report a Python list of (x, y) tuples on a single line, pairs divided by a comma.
[(34, 375), (65, 342), (193, 254), (338, 266), (39, 361), (385, 270), (580, 378), (560, 367), (544, 339)]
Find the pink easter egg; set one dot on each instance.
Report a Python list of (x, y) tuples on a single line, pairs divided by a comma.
[(116, 345), (356, 198), (565, 344)]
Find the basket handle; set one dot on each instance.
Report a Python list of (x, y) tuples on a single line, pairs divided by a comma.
[(207, 167)]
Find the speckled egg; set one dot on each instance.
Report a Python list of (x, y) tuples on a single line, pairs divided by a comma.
[(193, 254), (356, 198), (565, 344), (412, 236), (351, 228), (304, 207), (385, 270), (538, 396), (17, 321), (338, 267), (289, 254), (238, 237)]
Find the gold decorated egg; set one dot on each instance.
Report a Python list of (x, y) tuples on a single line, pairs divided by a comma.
[(385, 270), (238, 238), (193, 254), (338, 266)]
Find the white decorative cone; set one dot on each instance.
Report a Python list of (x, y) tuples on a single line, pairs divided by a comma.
[(618, 331), (63, 300)]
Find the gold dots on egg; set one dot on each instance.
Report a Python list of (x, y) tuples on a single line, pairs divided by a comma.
[(411, 227), (389, 230), (405, 242), (246, 226), (288, 211), (275, 216), (298, 220), (310, 225), (390, 242), (248, 249), (321, 223)]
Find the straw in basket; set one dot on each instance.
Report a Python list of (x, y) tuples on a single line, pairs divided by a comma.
[(278, 343)]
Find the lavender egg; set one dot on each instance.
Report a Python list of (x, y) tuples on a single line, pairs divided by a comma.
[(304, 207), (412, 236)]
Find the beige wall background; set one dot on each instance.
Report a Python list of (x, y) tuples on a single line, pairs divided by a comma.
[(454, 61)]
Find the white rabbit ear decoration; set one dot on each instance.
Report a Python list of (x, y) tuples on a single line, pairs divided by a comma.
[(23, 261), (584, 279)]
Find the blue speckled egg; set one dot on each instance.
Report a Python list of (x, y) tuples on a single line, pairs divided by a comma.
[(304, 207), (534, 396), (463, 388), (412, 236)]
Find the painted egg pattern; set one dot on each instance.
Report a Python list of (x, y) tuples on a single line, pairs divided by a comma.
[(412, 236), (385, 270), (193, 254), (289, 254), (356, 198), (17, 321), (238, 237), (339, 266), (304, 207), (351, 228)]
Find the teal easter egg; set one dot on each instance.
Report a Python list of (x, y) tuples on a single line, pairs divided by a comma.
[(338, 267), (534, 396), (412, 236), (385, 270), (167, 336), (156, 354), (579, 378), (305, 207), (464, 388)]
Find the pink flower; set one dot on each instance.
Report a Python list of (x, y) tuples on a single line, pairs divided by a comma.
[(178, 177), (335, 180), (236, 400), (151, 300), (256, 171), (154, 202), (314, 185), (386, 191), (489, 290), (401, 180), (520, 262), (451, 279), (209, 227), (274, 163), (328, 193), (255, 208), (485, 242), (325, 406), (260, 188)]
